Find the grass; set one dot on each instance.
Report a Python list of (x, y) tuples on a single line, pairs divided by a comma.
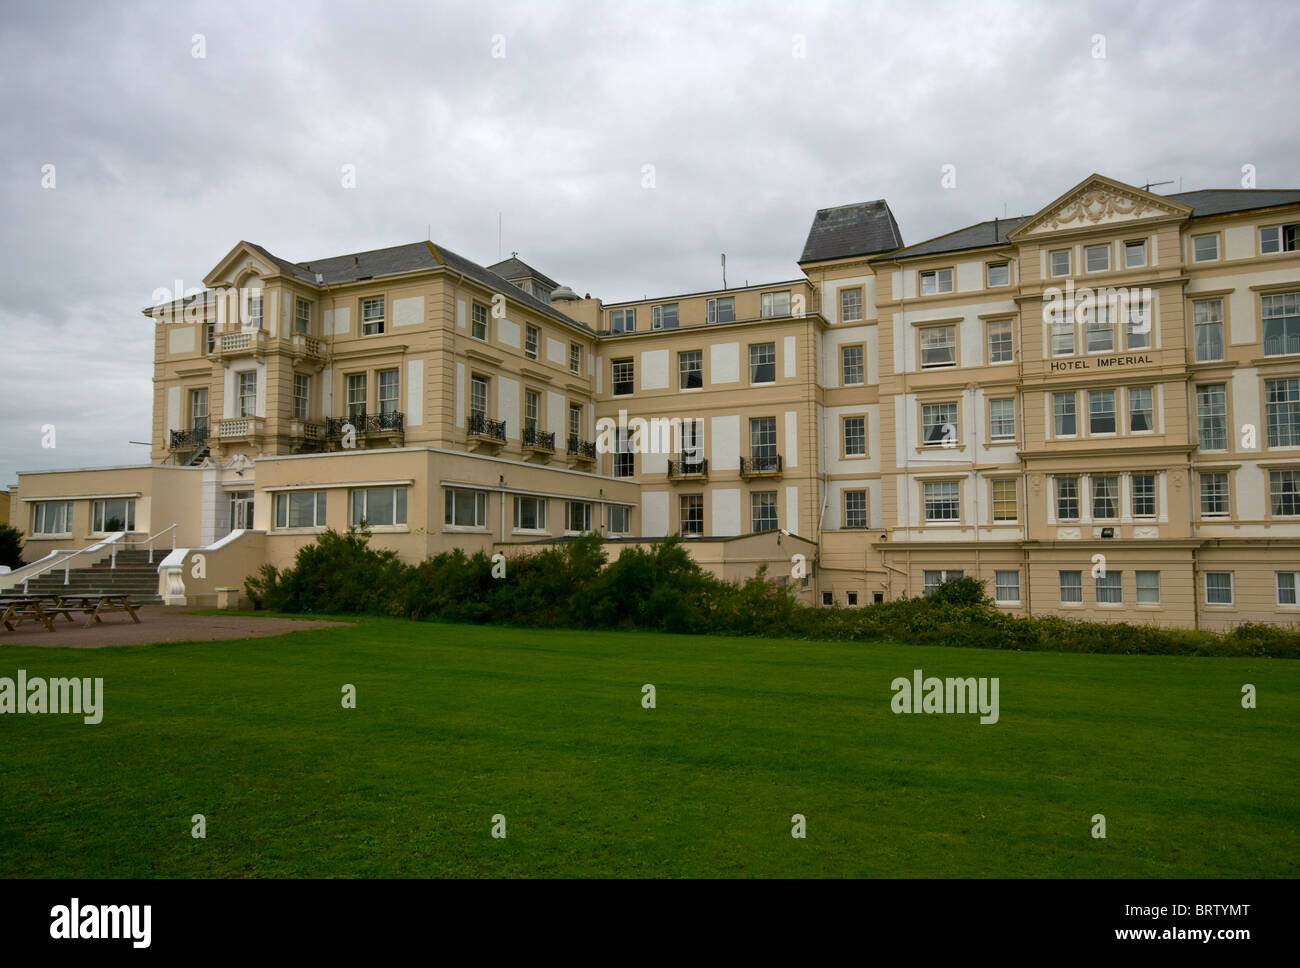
[(457, 723)]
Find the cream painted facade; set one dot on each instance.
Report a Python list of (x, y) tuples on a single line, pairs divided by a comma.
[(895, 414)]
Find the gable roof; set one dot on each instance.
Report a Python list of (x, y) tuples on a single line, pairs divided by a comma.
[(515, 268), (865, 228), (977, 236), (1220, 201)]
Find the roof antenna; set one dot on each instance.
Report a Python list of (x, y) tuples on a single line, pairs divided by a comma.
[(724, 270), (995, 228), (1148, 186)]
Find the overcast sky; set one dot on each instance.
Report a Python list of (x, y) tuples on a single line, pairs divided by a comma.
[(164, 160)]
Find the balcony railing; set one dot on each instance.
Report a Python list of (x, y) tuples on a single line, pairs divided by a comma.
[(760, 466), (539, 439), (191, 439), (244, 341), (583, 449), (481, 425), (239, 427), (683, 469), (387, 422)]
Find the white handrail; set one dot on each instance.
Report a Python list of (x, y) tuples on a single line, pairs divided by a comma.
[(150, 540), (68, 556)]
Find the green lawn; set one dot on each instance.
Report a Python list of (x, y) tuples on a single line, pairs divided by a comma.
[(457, 723)]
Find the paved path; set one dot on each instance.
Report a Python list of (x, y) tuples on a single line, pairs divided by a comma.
[(157, 624)]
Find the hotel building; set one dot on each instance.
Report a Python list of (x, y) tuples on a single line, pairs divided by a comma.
[(1094, 408)]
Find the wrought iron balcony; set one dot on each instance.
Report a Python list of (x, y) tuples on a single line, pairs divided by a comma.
[(539, 439), (483, 426), (191, 439), (387, 422), (581, 449), (687, 469), (766, 466)]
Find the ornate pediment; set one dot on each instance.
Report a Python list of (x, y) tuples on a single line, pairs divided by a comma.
[(1100, 201)]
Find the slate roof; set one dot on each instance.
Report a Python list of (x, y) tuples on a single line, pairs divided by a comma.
[(866, 228), (1220, 201), (515, 268), (979, 235)]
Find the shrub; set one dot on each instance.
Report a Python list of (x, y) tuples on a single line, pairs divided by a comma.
[(11, 546)]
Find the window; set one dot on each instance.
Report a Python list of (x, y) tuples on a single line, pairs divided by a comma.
[(1205, 248), (1279, 238), (693, 441), (372, 316), (762, 363), (530, 513), (255, 310), (624, 457), (938, 346), (828, 598), (773, 304), (1002, 419), (1135, 253), (52, 517), (577, 516), (851, 304), (575, 357), (1212, 417), (532, 411), (1282, 409), (1218, 588), (1207, 328), (1096, 258), (1101, 411), (209, 337), (1144, 495), (1110, 588), (301, 395), (1004, 500), (1281, 316), (478, 399), (532, 336), (1100, 329), (1105, 497), (356, 386), (199, 409), (939, 423), (932, 579), (851, 371), (478, 326), (1063, 415), (691, 510), (300, 509), (378, 507), (690, 369), (247, 393), (936, 281), (762, 511), (1001, 346), (999, 274), (1141, 409), (1062, 323), (851, 598), (624, 377), (575, 420), (942, 502), (722, 309), (1284, 492), (855, 509), (302, 316), (855, 436), (1148, 587), (1067, 499), (620, 518), (1006, 586), (622, 320), (465, 509), (1288, 583), (1059, 262), (663, 317), (762, 441), (1071, 583), (1214, 494), (1140, 317), (387, 391)]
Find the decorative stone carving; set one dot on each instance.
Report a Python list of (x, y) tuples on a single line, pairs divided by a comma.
[(1098, 204)]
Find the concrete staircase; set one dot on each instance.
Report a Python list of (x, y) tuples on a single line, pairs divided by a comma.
[(133, 576)]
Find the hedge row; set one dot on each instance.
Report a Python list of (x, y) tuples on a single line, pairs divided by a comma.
[(573, 585)]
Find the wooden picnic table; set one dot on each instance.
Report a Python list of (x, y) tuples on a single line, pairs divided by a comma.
[(14, 610), (93, 605)]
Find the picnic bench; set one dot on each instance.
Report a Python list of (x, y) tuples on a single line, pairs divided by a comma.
[(16, 609)]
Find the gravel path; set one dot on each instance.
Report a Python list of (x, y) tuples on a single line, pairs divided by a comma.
[(157, 624)]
